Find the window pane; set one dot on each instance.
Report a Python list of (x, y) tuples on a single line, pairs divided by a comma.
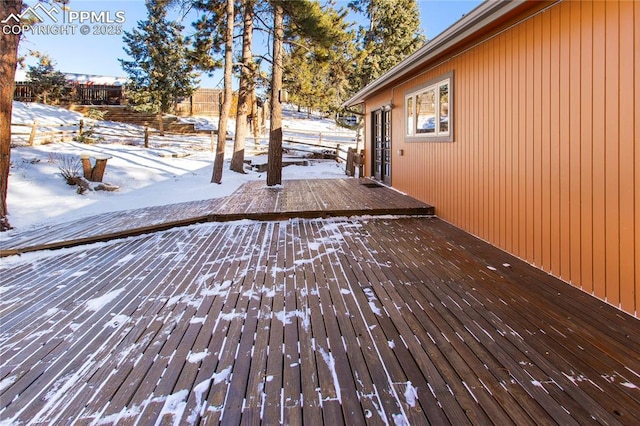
[(426, 111), (444, 108), (409, 110)]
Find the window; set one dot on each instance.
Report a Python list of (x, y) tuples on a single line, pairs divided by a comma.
[(428, 111)]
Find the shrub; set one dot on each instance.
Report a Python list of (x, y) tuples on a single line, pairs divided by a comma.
[(70, 167), (96, 114)]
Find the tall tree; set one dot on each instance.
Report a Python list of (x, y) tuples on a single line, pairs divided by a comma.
[(47, 83), (228, 94), (8, 62), (393, 34), (307, 19), (161, 72), (274, 161), (246, 85), (214, 33)]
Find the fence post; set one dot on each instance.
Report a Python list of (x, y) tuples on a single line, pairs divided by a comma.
[(32, 136), (146, 137), (81, 129), (361, 163), (338, 152), (350, 169)]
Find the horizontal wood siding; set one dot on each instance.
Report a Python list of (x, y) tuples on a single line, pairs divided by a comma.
[(546, 152)]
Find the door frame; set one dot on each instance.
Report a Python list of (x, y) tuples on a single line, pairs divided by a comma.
[(381, 144)]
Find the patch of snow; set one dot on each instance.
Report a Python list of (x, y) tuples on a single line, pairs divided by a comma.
[(174, 406), (197, 357), (222, 376), (199, 390), (117, 321), (6, 382), (285, 317), (127, 258), (400, 420), (411, 394), (51, 312), (99, 302), (372, 298), (217, 289), (331, 363)]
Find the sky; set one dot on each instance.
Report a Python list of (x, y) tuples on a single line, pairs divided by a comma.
[(98, 54)]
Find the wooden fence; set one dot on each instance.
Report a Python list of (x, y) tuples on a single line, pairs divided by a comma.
[(328, 145), (80, 94)]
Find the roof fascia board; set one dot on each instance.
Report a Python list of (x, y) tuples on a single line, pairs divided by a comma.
[(479, 18)]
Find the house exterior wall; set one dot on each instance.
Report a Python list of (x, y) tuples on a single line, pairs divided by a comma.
[(545, 161)]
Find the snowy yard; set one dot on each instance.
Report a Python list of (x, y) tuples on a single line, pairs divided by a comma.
[(174, 169)]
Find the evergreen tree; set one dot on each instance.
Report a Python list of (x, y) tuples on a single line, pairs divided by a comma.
[(210, 33), (228, 28), (161, 72), (392, 35), (302, 19), (274, 161), (246, 88), (316, 73), (47, 83)]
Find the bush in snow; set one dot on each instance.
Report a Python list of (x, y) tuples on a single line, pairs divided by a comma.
[(69, 166)]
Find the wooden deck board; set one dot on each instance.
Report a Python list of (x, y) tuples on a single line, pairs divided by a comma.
[(253, 200), (336, 321)]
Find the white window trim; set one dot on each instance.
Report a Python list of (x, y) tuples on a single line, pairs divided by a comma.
[(410, 127)]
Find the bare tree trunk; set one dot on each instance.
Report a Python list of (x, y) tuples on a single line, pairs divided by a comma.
[(244, 90), (228, 94), (160, 124), (274, 167), (8, 62), (255, 118)]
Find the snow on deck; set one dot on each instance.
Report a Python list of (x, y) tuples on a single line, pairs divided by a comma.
[(315, 321)]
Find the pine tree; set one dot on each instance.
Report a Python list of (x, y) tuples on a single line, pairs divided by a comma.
[(228, 93), (247, 74), (316, 73), (393, 34), (161, 72), (8, 61), (274, 161), (302, 19), (47, 83)]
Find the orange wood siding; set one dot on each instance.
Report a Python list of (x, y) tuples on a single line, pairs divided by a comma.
[(545, 162)]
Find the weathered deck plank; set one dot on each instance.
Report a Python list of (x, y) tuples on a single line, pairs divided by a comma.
[(338, 321)]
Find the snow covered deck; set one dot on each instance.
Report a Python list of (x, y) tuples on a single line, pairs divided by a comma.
[(315, 321), (253, 200)]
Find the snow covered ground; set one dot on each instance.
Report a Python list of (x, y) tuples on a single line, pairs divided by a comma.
[(174, 169)]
